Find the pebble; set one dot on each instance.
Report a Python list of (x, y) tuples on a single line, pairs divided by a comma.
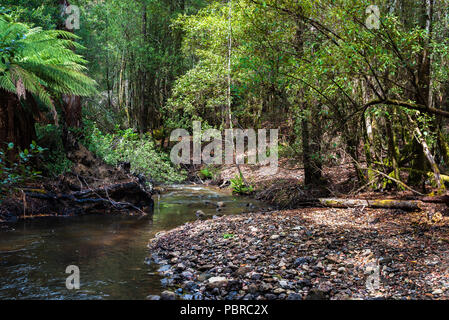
[(437, 292), (294, 296), (168, 295), (329, 265), (187, 274), (200, 214), (217, 279), (302, 260), (164, 268)]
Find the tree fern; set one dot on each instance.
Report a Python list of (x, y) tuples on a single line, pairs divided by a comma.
[(42, 62)]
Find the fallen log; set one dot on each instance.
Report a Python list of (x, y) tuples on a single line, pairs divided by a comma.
[(129, 196), (90, 187), (69, 197), (408, 205)]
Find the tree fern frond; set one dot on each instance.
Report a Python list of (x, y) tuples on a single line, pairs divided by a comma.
[(6, 83), (44, 62)]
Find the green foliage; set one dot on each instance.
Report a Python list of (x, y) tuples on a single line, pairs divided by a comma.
[(228, 236), (134, 45), (238, 186), (43, 13), (55, 161), (205, 174), (209, 172), (198, 95), (288, 151), (309, 68), (257, 87), (41, 62), (20, 170), (139, 151)]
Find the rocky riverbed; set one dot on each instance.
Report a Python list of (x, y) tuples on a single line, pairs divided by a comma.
[(306, 254)]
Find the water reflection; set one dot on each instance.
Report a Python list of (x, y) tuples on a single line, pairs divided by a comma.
[(109, 250)]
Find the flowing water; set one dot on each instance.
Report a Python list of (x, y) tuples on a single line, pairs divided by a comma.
[(110, 251)]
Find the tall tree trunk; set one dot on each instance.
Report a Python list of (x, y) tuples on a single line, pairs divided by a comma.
[(70, 106), (310, 144), (393, 150), (424, 59), (16, 124), (144, 103)]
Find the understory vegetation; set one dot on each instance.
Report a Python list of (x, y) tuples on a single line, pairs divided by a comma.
[(139, 151), (20, 169), (239, 186), (343, 81)]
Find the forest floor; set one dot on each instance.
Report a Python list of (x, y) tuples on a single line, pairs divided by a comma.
[(312, 253), (285, 188), (307, 253)]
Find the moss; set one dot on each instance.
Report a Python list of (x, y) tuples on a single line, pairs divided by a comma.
[(444, 147)]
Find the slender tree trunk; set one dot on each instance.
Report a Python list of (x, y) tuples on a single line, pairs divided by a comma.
[(443, 146), (436, 172), (311, 152), (71, 106), (393, 150), (144, 105)]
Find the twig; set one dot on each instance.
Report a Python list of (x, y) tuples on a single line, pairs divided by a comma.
[(393, 179), (385, 175), (24, 203)]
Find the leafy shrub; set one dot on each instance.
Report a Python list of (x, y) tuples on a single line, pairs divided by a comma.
[(139, 151), (288, 151), (20, 170), (238, 186), (210, 172), (205, 174), (55, 161)]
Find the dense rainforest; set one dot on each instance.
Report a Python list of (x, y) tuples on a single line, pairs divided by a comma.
[(339, 79), (91, 92)]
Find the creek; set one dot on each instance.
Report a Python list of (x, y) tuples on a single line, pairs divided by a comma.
[(110, 251)]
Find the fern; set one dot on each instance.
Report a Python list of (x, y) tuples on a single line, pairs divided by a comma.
[(42, 61), (238, 186)]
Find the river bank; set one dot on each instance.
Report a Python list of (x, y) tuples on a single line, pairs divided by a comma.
[(110, 249), (90, 187), (306, 254)]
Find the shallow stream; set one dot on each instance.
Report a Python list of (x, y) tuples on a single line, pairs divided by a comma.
[(110, 251)]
